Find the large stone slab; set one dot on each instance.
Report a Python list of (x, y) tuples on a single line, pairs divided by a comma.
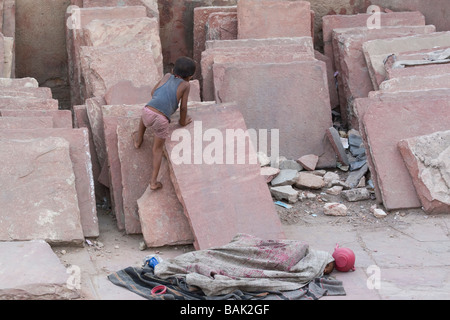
[(19, 82), (386, 122), (331, 22), (376, 51), (259, 19), (39, 199), (220, 200), (354, 78), (28, 103), (222, 26), (41, 92), (136, 32), (43, 279), (151, 6), (103, 67), (201, 16), (60, 118), (414, 83), (428, 161), (25, 123), (80, 161), (251, 50), (77, 19), (264, 95), (110, 119), (161, 216)]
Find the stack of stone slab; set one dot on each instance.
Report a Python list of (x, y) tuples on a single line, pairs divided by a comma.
[(271, 71), (46, 177), (344, 36), (409, 108)]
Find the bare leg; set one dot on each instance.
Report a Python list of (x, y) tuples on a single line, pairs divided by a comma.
[(158, 145), (138, 136)]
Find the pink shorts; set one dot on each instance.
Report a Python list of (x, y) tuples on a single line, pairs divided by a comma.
[(157, 122)]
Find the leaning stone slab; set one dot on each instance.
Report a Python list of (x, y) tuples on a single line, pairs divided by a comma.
[(30, 270), (220, 200), (376, 51), (301, 115), (386, 123), (80, 161), (335, 140), (428, 161), (39, 199), (259, 19)]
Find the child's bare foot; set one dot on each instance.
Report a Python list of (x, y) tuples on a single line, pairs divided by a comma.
[(156, 186), (137, 142)]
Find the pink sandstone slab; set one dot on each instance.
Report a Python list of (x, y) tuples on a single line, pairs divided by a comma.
[(135, 32), (151, 6), (273, 19), (38, 204), (111, 115), (220, 200), (354, 77), (24, 103), (94, 112), (81, 120), (74, 38), (80, 161), (45, 279), (331, 22), (264, 95), (41, 92), (25, 122), (376, 51), (134, 64), (222, 26), (26, 82), (60, 118), (251, 50), (414, 83), (428, 161), (201, 16), (332, 87), (159, 214), (385, 124)]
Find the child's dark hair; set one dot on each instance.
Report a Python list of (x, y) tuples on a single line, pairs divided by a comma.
[(184, 67)]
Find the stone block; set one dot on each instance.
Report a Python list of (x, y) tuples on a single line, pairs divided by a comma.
[(26, 82), (285, 193), (38, 204), (27, 103), (331, 22), (284, 178), (428, 161), (376, 51), (222, 26), (335, 209), (25, 122), (306, 180), (60, 118), (309, 161), (74, 38), (251, 51), (357, 194), (41, 92), (415, 83), (258, 19), (111, 116), (269, 173), (80, 161), (151, 6), (45, 278), (104, 67), (220, 200), (137, 33), (386, 122), (201, 16), (301, 115)]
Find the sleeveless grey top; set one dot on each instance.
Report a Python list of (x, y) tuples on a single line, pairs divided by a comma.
[(165, 97)]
